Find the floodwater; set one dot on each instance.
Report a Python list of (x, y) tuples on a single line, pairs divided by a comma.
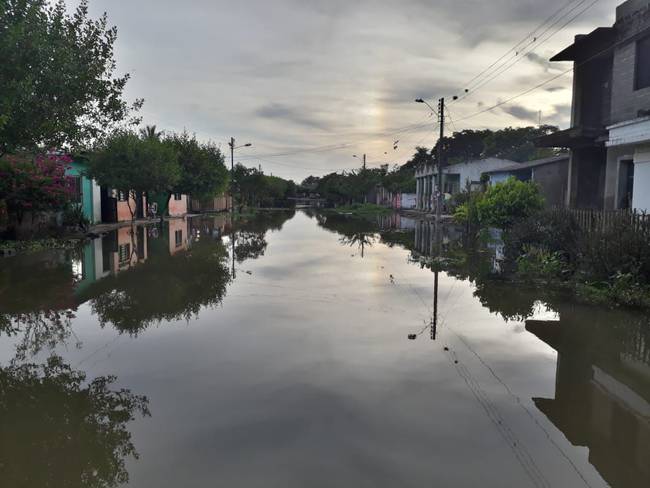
[(296, 350)]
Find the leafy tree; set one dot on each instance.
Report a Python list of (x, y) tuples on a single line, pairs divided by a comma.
[(150, 132), (57, 83), (77, 427), (36, 184), (203, 172), (253, 188), (129, 163), (518, 144)]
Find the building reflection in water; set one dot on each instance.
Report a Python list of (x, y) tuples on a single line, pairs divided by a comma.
[(602, 394)]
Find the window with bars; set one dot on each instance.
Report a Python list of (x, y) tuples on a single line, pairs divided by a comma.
[(178, 196), (75, 186), (124, 253), (122, 196)]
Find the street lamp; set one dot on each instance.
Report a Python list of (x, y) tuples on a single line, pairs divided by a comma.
[(232, 169), (364, 160), (441, 116)]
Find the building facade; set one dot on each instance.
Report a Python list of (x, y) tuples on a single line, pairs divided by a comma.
[(549, 174), (455, 179), (609, 135)]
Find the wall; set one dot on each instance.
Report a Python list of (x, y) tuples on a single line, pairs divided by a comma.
[(409, 200), (551, 179), (178, 225), (641, 197), (626, 102), (178, 208)]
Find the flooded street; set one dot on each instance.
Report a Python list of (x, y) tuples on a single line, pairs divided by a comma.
[(275, 352)]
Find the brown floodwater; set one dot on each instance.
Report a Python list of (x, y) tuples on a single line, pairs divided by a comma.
[(295, 349)]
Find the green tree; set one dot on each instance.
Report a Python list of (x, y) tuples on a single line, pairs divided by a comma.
[(129, 163), (57, 83), (150, 132), (203, 172)]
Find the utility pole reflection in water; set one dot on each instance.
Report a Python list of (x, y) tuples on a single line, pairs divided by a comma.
[(433, 326)]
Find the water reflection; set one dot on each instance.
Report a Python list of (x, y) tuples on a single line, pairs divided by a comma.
[(602, 392), (324, 343), (57, 429)]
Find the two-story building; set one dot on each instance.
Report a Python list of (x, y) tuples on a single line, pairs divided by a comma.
[(609, 137)]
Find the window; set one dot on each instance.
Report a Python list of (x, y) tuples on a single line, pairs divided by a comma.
[(178, 235), (75, 187), (642, 75), (124, 253), (178, 196), (121, 196)]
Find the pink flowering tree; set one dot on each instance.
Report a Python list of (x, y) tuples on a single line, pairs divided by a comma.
[(34, 184)]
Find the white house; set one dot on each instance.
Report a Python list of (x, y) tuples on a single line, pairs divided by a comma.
[(456, 178), (629, 153)]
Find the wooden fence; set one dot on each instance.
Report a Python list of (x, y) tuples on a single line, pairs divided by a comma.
[(606, 220)]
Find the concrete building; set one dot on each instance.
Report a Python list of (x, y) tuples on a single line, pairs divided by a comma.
[(609, 135), (550, 175), (455, 178), (87, 192)]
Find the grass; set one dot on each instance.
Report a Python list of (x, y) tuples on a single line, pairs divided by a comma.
[(32, 246)]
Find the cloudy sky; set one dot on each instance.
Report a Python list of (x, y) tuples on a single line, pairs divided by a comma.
[(311, 82)]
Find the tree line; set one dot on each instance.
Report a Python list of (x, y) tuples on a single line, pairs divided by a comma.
[(516, 144)]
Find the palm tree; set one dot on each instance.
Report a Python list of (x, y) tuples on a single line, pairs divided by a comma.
[(149, 132)]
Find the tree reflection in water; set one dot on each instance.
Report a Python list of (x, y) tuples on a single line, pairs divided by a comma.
[(354, 232), (57, 430), (166, 287)]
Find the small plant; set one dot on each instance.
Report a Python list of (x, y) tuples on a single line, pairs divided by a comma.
[(74, 217), (539, 263)]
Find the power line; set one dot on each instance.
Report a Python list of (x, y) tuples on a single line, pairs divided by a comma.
[(523, 55), (514, 48), (536, 87)]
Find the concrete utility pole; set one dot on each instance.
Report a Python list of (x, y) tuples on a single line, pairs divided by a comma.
[(232, 170), (232, 174), (441, 112)]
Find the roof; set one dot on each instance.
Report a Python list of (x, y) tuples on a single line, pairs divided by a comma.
[(531, 164), (588, 45), (572, 138)]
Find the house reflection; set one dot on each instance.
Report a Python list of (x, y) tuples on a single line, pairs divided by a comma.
[(178, 235), (602, 392)]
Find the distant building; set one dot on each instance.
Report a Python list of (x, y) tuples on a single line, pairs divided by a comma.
[(221, 203), (609, 135), (455, 178), (550, 175)]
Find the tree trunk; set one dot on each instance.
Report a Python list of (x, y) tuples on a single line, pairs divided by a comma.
[(128, 204), (162, 212)]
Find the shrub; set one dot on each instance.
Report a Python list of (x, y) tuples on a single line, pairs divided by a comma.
[(506, 203), (556, 232), (540, 263)]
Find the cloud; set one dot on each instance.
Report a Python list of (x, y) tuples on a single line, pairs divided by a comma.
[(522, 113), (280, 112), (312, 73)]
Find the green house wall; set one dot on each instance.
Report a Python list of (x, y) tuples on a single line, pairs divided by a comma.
[(76, 169)]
